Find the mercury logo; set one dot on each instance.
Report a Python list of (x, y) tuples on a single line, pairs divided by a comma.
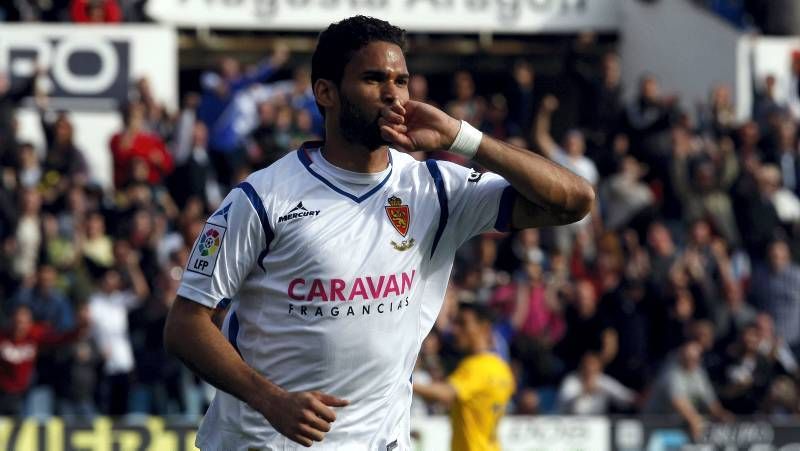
[(299, 211)]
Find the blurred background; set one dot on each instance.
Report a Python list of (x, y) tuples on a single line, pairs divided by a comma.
[(123, 123)]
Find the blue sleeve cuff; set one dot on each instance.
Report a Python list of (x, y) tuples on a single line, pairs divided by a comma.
[(507, 199)]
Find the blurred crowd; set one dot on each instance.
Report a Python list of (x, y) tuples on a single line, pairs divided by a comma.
[(76, 11), (678, 295)]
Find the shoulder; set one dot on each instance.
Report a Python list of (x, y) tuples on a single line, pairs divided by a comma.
[(275, 176), (488, 362)]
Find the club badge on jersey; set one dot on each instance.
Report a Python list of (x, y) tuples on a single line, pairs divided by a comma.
[(400, 217)]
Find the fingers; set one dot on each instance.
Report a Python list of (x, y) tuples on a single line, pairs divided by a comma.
[(400, 128), (398, 139), (309, 432), (313, 418), (393, 114), (398, 108), (331, 400), (322, 411)]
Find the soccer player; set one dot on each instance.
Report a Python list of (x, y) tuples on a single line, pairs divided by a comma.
[(334, 260), (480, 387)]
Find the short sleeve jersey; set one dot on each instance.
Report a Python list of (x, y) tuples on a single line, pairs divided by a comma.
[(483, 384), (334, 291)]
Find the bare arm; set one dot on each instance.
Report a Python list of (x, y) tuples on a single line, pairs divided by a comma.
[(138, 281), (541, 130), (550, 194), (191, 335), (440, 392), (610, 346)]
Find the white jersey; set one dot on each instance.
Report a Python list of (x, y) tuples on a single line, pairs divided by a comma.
[(335, 291)]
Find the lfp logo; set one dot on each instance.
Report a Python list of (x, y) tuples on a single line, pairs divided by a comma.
[(210, 243), (204, 256)]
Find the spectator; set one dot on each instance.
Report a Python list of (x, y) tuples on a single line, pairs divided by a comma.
[(536, 320), (758, 216), (748, 374), (785, 202), (522, 99), (628, 311), (702, 185), (624, 195), (63, 161), (219, 90), (95, 11), (196, 176), (571, 156), (108, 310), (158, 375), (589, 391), (734, 314), (784, 153), (46, 302), (467, 105), (647, 119), (136, 144), (19, 345), (28, 235), (96, 245), (719, 117), (496, 121), (30, 170), (775, 288), (781, 403), (586, 330), (684, 389), (156, 118), (774, 347)]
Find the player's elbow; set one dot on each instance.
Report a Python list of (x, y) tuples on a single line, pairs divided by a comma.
[(583, 198)]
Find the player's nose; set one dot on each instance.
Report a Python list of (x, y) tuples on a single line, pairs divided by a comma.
[(390, 92)]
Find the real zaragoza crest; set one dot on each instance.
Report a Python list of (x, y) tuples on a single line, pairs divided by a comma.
[(399, 215)]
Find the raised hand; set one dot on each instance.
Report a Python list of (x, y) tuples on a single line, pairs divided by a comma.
[(417, 126), (304, 417)]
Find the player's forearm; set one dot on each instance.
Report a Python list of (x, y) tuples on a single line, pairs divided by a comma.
[(436, 392), (564, 196), (191, 335)]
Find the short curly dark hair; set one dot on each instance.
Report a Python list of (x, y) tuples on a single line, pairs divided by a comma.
[(338, 43)]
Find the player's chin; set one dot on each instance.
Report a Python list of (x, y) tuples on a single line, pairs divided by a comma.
[(375, 140)]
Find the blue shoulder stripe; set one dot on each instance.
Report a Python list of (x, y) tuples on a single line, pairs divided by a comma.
[(258, 206), (233, 331), (444, 213)]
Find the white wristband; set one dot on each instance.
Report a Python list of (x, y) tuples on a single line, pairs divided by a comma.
[(467, 140)]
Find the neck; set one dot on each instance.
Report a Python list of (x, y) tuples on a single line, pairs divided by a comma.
[(351, 156), (480, 346)]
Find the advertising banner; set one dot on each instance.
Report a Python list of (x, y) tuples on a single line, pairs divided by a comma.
[(543, 433), (102, 434), (666, 435), (498, 16)]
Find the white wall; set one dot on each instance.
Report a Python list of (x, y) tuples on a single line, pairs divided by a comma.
[(689, 49)]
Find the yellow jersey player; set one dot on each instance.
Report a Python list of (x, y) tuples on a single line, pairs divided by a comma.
[(480, 387)]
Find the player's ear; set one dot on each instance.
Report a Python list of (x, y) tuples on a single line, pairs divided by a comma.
[(326, 93)]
